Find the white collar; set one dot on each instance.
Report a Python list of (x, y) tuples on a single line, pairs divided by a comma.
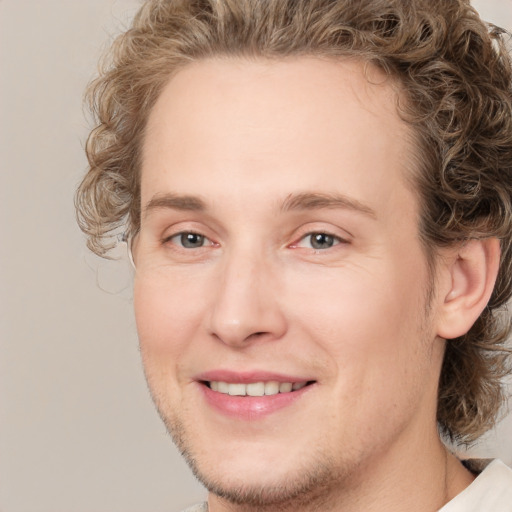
[(491, 491)]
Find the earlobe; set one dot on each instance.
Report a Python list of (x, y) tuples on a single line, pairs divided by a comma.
[(470, 275)]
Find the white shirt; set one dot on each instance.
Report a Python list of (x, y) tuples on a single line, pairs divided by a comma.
[(491, 491)]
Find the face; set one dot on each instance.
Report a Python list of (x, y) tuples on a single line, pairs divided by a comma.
[(280, 290)]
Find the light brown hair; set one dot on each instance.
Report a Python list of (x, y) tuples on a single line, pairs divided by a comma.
[(455, 78)]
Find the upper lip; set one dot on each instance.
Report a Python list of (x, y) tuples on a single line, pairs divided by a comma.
[(248, 377)]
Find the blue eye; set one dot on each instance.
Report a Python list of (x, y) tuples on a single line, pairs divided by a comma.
[(322, 240), (319, 241), (189, 240)]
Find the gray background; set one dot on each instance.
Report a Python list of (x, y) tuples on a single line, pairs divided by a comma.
[(78, 432)]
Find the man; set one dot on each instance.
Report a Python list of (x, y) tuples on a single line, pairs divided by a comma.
[(318, 200)]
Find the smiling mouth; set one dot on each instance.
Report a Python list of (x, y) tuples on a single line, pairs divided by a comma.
[(256, 389)]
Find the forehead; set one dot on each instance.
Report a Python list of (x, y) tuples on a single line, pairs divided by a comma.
[(305, 122)]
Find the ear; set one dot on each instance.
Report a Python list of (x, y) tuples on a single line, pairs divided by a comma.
[(466, 281)]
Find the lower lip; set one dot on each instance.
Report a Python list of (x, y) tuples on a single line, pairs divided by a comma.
[(251, 407)]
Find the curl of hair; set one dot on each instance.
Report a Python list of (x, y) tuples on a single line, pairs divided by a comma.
[(454, 75)]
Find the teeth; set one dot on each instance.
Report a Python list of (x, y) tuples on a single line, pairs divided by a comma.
[(256, 388), (237, 389), (271, 388), (285, 387), (223, 387)]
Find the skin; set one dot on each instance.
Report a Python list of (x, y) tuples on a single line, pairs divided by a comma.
[(243, 137)]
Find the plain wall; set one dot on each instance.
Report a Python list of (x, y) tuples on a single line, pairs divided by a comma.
[(78, 432)]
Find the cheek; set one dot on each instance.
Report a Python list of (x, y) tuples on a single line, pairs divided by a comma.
[(368, 322), (356, 310), (166, 319), (370, 331)]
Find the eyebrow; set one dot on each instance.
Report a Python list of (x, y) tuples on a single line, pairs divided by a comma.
[(174, 202), (293, 202), (318, 201)]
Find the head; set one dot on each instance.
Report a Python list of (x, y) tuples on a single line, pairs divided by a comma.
[(430, 72)]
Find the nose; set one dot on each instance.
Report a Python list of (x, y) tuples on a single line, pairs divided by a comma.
[(246, 302)]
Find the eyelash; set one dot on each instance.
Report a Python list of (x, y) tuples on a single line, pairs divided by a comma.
[(336, 240), (183, 234)]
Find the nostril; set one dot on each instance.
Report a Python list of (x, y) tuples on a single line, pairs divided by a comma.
[(256, 335)]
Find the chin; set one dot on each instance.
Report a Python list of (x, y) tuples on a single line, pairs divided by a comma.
[(256, 474), (264, 487)]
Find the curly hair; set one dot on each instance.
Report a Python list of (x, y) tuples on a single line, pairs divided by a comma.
[(455, 81)]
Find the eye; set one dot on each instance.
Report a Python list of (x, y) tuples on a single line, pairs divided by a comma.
[(319, 241), (189, 240)]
